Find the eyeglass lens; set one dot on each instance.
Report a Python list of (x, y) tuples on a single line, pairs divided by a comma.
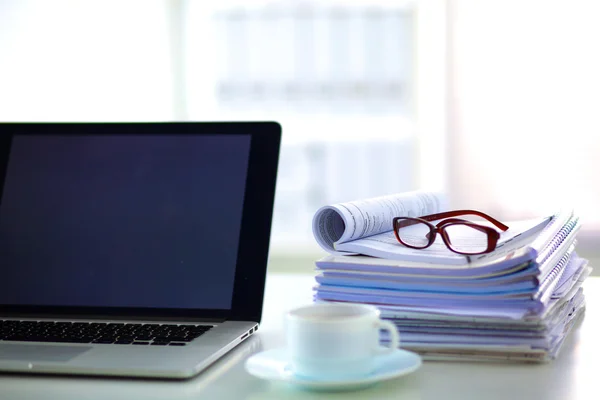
[(416, 234), (466, 239)]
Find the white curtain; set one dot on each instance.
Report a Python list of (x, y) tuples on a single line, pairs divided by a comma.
[(523, 102)]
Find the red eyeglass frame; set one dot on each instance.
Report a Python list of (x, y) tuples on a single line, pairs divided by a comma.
[(448, 219)]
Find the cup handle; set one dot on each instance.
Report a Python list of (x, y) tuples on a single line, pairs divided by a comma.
[(394, 336)]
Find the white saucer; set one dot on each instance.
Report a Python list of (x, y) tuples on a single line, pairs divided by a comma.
[(274, 365)]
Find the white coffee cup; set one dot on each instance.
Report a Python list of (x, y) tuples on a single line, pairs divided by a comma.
[(336, 340)]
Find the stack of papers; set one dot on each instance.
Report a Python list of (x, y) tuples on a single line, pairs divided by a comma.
[(517, 303)]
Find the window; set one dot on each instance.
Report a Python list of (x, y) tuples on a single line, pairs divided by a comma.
[(355, 85)]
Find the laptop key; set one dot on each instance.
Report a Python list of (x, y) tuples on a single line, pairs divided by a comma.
[(180, 339), (104, 341), (144, 337), (57, 339), (203, 327)]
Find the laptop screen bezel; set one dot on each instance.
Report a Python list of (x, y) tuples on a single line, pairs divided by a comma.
[(255, 232)]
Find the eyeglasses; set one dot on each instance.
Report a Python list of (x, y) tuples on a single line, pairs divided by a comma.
[(459, 235)]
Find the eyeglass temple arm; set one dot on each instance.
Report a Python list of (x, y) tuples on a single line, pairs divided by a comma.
[(457, 213), (404, 223), (414, 221)]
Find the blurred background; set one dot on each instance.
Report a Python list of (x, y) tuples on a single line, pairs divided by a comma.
[(494, 102)]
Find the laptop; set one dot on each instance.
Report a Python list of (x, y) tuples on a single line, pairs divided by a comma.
[(132, 249)]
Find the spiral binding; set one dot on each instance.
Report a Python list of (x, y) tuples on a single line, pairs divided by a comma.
[(557, 240), (558, 269), (540, 242)]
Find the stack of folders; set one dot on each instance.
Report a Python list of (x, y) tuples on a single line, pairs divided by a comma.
[(517, 303)]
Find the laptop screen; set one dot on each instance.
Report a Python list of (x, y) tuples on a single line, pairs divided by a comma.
[(145, 221)]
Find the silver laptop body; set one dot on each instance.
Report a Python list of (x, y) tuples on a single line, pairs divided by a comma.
[(132, 249)]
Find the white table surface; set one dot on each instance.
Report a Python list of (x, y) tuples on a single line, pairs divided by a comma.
[(574, 375)]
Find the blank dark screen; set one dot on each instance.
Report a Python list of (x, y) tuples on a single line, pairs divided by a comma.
[(122, 220)]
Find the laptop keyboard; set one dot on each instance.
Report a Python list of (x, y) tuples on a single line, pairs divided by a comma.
[(100, 332)]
